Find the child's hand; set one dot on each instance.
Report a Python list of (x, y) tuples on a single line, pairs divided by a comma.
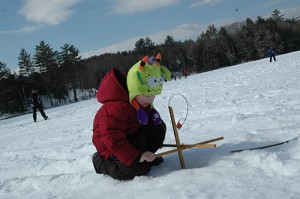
[(147, 156)]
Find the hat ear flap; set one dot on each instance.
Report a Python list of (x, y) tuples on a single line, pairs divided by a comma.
[(165, 72)]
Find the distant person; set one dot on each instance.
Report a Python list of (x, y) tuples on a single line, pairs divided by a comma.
[(271, 54), (127, 129), (36, 103), (173, 75), (185, 72)]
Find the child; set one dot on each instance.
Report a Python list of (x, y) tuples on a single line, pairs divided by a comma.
[(127, 129)]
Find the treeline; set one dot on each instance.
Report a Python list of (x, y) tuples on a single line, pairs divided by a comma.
[(56, 73)]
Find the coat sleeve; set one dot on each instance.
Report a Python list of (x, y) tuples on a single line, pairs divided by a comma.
[(113, 134)]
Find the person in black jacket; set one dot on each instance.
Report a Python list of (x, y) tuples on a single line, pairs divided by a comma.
[(36, 103)]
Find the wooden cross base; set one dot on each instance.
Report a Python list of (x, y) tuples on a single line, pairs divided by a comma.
[(181, 147)]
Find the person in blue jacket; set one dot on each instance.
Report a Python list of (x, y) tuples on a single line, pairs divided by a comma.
[(271, 54)]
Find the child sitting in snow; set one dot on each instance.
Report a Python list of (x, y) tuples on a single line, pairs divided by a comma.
[(127, 129)]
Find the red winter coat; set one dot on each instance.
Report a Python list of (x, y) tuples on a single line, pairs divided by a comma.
[(115, 120)]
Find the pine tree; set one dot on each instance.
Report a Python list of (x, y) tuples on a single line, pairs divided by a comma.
[(4, 72), (25, 63), (68, 58), (45, 57), (277, 16), (46, 63), (144, 46)]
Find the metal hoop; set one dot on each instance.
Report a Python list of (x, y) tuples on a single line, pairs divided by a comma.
[(187, 107)]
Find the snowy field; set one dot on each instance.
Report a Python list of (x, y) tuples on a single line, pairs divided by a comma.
[(250, 105)]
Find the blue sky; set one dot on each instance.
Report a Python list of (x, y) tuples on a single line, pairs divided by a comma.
[(99, 26)]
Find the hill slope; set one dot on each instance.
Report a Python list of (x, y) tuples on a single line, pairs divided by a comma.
[(251, 104)]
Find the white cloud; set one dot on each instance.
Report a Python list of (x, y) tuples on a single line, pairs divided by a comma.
[(51, 12), (205, 2), (179, 33), (291, 12), (137, 6), (288, 13), (22, 30), (122, 46), (270, 3)]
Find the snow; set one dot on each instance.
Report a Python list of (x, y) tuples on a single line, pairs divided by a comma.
[(250, 105)]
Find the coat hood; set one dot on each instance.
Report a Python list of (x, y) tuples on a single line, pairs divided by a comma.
[(113, 87)]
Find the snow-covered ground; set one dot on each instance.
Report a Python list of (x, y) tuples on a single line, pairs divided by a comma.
[(250, 105)]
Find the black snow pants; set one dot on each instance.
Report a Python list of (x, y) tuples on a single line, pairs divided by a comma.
[(273, 56), (149, 138), (40, 108)]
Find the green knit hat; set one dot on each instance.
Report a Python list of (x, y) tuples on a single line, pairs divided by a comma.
[(146, 78)]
